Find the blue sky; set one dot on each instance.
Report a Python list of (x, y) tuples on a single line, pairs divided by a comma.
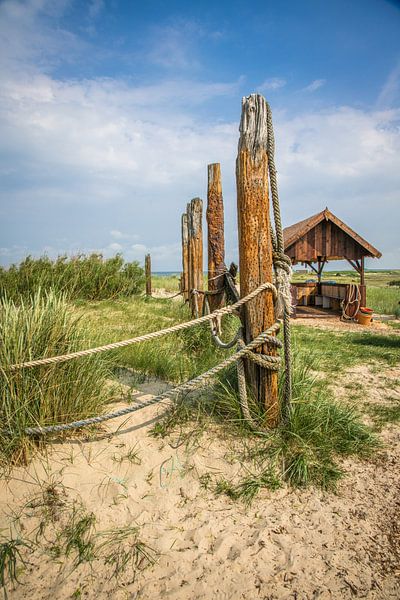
[(110, 111)]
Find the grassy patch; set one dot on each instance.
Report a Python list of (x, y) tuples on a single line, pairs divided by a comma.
[(384, 414), (175, 357), (169, 283), (303, 451), (337, 351), (44, 326), (384, 300)]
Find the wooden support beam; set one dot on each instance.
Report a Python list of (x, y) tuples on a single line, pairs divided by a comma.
[(185, 257), (215, 236), (255, 245), (355, 264), (321, 264), (311, 266), (147, 270), (362, 271), (195, 231)]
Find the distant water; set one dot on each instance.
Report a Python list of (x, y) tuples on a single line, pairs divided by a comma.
[(167, 273)]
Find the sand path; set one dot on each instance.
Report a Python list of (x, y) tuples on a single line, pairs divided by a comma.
[(297, 544)]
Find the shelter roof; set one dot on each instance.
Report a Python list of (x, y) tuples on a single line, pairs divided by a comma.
[(294, 232)]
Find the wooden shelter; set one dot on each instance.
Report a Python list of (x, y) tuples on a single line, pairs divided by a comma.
[(324, 237)]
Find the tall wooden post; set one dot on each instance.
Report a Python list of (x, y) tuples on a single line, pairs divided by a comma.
[(255, 244), (147, 270), (185, 257), (215, 235), (195, 230)]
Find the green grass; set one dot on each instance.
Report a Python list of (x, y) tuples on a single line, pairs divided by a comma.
[(337, 351), (384, 300), (11, 560), (76, 537), (44, 326), (181, 356), (122, 549), (170, 283), (88, 277), (384, 414), (175, 357)]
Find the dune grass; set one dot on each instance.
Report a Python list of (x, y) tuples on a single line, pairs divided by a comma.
[(90, 277), (39, 327), (305, 450)]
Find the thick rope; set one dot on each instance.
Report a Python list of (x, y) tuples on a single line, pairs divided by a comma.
[(282, 265), (246, 351), (147, 336), (353, 298)]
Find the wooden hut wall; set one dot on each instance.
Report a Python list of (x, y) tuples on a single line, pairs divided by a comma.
[(325, 240)]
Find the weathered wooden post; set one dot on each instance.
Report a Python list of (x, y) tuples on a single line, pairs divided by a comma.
[(185, 257), (147, 270), (255, 244), (195, 234), (215, 236)]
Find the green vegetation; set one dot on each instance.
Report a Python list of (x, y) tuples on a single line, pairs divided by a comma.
[(10, 557), (67, 533), (40, 327), (384, 300), (79, 277), (337, 351), (175, 357), (169, 283), (303, 451)]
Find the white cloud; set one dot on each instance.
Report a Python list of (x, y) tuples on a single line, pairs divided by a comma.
[(274, 83), (119, 235), (315, 85), (115, 247)]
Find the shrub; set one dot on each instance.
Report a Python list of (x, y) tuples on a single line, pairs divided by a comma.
[(45, 395), (79, 277)]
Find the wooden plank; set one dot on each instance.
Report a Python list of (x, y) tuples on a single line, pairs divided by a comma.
[(255, 244)]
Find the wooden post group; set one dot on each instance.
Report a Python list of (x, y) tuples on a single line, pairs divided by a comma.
[(255, 245)]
